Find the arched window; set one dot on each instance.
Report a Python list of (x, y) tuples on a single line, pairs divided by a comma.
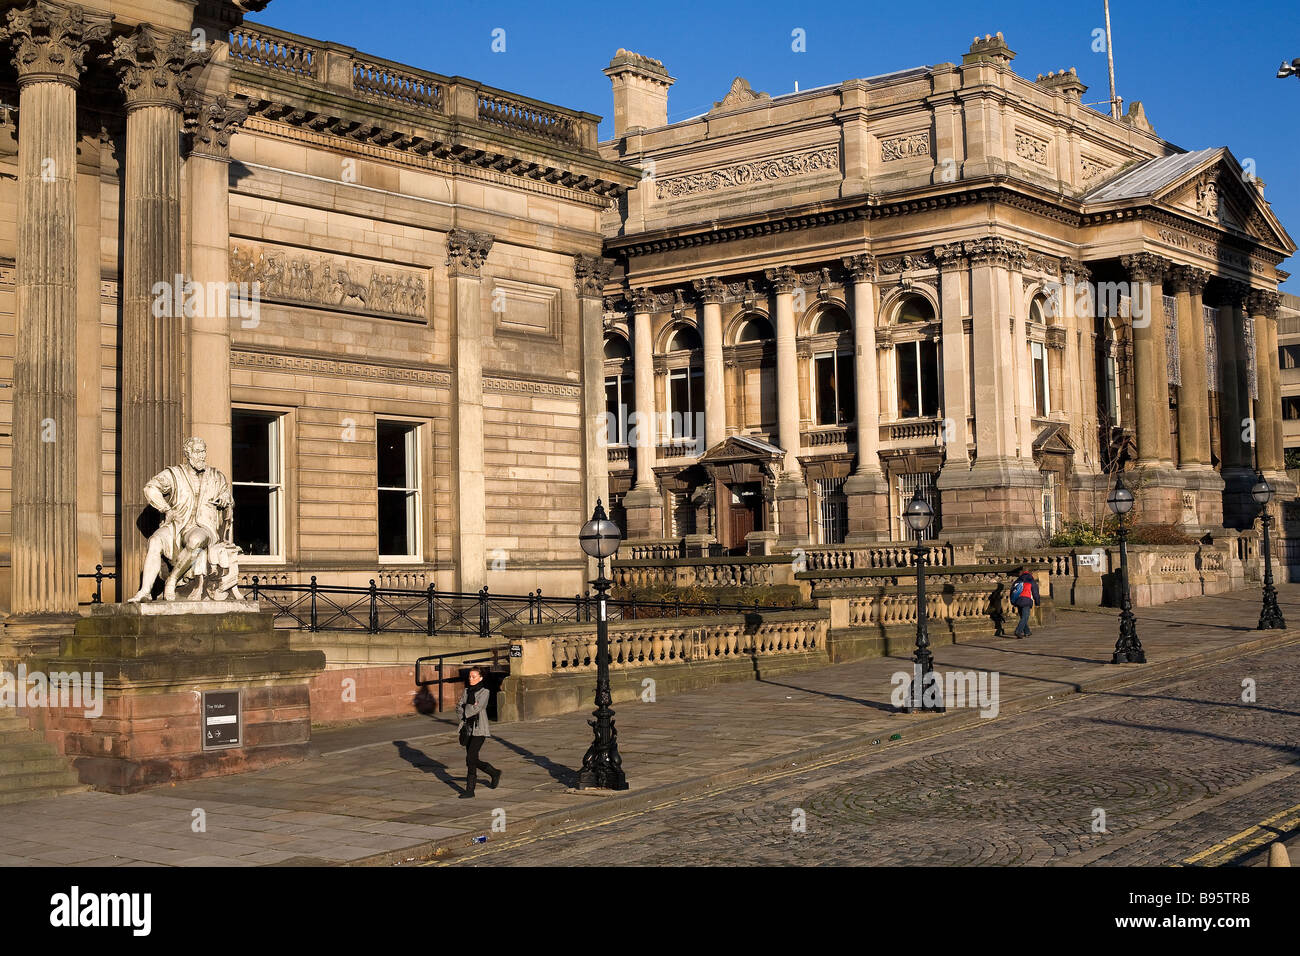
[(755, 329), (832, 320), (1038, 364), (620, 399), (915, 308), (685, 339), (616, 347), (1038, 311)]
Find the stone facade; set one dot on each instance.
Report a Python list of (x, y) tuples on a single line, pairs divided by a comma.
[(951, 277), (318, 261)]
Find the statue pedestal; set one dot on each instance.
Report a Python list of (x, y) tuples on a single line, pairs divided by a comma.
[(189, 689)]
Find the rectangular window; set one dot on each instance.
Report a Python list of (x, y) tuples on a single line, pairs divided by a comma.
[(833, 510), (683, 514), (907, 486), (833, 387), (257, 481), (1289, 356), (685, 401), (398, 466), (618, 392), (918, 379), (1038, 359), (1049, 504), (1291, 409)]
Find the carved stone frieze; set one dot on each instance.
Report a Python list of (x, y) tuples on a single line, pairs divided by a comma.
[(909, 263), (329, 281), (1032, 149), (909, 146), (771, 169)]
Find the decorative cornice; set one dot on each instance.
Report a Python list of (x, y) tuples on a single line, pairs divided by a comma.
[(514, 386), (589, 276), (212, 127), (323, 366), (783, 279), (861, 267), (466, 251), (50, 41), (757, 171), (156, 67)]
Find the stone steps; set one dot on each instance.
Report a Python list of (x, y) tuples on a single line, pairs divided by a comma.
[(30, 767)]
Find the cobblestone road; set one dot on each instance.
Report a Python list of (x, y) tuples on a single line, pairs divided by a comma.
[(1176, 766)]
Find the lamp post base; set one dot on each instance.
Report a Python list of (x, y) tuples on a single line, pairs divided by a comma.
[(1270, 616)]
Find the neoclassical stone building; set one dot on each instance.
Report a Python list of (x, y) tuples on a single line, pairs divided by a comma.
[(398, 379), (949, 277)]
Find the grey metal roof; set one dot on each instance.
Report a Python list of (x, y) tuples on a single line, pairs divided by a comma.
[(1150, 177)]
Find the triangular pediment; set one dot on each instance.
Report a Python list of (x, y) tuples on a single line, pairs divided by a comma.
[(1209, 185), (742, 448)]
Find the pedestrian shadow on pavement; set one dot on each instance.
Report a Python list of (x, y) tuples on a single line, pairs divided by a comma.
[(559, 772), (423, 762)]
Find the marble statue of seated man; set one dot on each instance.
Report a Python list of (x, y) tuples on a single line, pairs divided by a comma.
[(196, 535)]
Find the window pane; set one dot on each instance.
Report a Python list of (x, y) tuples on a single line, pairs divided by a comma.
[(697, 403), (824, 382), (393, 530), (254, 520), (908, 388), (679, 403), (929, 378), (848, 391), (251, 446), (392, 452), (1040, 378)]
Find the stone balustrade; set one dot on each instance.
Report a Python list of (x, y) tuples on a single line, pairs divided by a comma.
[(651, 549), (953, 604), (820, 584), (725, 572), (887, 554)]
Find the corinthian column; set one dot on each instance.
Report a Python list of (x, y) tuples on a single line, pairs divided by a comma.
[(153, 66), (791, 493), (49, 44), (589, 274), (465, 254), (711, 292), (1146, 273), (1187, 284), (866, 490), (1263, 307), (209, 349), (642, 503)]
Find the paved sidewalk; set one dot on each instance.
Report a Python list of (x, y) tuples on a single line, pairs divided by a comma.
[(386, 792)]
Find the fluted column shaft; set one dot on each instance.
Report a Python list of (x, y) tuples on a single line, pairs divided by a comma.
[(715, 400), (867, 388), (589, 277), (1234, 452), (644, 372), (45, 361), (1149, 356), (1268, 425), (787, 378), (1193, 397)]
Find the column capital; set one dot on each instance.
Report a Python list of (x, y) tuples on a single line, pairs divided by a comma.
[(861, 267), (644, 301), (993, 250), (589, 275), (1188, 279), (1231, 292), (211, 126), (466, 251), (949, 255), (1075, 268), (783, 279), (156, 66), (50, 41), (1263, 302), (711, 290), (1145, 266)]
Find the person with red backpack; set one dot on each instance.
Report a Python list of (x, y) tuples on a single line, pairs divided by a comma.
[(1024, 596)]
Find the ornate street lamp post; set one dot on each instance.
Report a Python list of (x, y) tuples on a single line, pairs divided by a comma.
[(602, 767), (918, 514), (1128, 649), (1270, 615)]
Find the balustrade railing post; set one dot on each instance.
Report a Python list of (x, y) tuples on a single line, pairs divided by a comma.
[(98, 596), (374, 607), (256, 595), (484, 626), (313, 626), (679, 605), (429, 625)]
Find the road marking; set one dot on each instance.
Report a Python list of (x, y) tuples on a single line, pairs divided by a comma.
[(1251, 838)]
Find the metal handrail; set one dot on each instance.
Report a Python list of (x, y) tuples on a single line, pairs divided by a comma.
[(462, 658)]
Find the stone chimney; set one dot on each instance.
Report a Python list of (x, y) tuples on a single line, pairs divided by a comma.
[(1067, 82), (640, 92), (990, 49)]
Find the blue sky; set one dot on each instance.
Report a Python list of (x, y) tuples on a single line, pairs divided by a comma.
[(1203, 71)]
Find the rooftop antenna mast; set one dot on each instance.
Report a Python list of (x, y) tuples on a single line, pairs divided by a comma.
[(1110, 63)]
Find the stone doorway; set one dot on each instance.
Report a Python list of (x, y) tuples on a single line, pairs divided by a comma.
[(747, 508)]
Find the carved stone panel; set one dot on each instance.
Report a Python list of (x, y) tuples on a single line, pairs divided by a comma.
[(753, 173), (349, 285), (905, 147)]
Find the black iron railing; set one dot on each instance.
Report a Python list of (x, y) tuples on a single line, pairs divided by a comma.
[(376, 610), (100, 577), (485, 655)]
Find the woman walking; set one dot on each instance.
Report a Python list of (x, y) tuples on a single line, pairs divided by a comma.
[(472, 710)]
